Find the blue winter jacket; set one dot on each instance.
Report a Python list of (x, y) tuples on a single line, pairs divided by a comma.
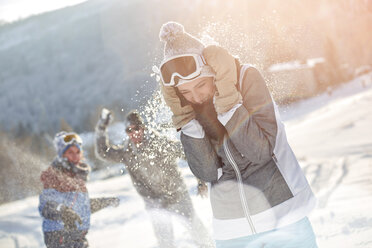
[(67, 187)]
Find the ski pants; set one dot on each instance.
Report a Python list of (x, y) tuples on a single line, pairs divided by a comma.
[(297, 235), (66, 239)]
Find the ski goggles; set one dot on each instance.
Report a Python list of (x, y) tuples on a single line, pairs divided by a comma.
[(185, 66), (71, 138), (132, 129)]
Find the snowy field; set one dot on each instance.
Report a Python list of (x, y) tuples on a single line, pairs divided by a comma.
[(332, 138)]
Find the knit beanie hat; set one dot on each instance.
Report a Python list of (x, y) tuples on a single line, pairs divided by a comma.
[(178, 42), (61, 145), (134, 118)]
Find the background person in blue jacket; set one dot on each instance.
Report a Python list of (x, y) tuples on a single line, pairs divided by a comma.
[(64, 202)]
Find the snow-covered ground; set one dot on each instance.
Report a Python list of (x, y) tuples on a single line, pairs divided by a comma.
[(332, 138)]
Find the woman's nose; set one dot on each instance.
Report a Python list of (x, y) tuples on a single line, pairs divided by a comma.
[(197, 98)]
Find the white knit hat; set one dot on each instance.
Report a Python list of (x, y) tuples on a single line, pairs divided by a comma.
[(61, 146), (178, 42)]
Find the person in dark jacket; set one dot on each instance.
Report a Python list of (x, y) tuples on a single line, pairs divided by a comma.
[(150, 160), (233, 138), (65, 205)]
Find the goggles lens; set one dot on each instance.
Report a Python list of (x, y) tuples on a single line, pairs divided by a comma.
[(184, 66), (69, 138)]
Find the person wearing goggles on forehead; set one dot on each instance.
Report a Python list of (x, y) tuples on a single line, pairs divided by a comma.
[(65, 205), (234, 139), (151, 161)]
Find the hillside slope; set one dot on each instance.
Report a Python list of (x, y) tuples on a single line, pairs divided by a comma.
[(331, 137)]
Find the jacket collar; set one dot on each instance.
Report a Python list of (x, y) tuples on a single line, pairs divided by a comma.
[(82, 169)]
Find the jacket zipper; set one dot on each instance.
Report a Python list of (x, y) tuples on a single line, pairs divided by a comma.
[(240, 186)]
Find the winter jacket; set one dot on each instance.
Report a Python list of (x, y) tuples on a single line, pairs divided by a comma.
[(67, 187), (256, 182), (65, 184), (151, 165)]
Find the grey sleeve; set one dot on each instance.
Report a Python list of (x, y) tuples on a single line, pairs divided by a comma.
[(106, 151), (253, 126), (97, 204), (201, 157)]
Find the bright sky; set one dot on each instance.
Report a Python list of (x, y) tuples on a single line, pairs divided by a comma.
[(12, 10)]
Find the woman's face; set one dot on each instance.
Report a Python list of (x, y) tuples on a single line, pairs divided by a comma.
[(198, 90), (73, 154)]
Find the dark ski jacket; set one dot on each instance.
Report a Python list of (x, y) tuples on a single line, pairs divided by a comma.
[(152, 166)]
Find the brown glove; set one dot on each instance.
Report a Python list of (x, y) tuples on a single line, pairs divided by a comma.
[(181, 115), (69, 218), (223, 63)]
